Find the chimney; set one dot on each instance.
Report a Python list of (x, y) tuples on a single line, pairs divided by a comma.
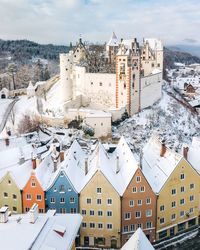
[(86, 166), (185, 152), (4, 214), (33, 212), (117, 166), (163, 149), (62, 156)]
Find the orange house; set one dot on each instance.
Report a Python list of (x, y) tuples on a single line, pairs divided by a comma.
[(33, 193)]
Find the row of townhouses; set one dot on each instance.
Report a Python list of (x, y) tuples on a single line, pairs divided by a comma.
[(113, 192)]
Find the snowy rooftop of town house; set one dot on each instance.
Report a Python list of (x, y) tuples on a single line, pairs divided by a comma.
[(193, 153), (157, 169), (113, 40), (138, 241), (39, 235), (72, 166), (118, 171)]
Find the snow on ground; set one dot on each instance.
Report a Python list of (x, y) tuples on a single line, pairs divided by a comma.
[(24, 106), (4, 105), (168, 119)]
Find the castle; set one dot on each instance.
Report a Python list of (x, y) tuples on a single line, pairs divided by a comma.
[(135, 85)]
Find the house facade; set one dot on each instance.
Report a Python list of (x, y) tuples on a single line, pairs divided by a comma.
[(61, 195), (138, 208)]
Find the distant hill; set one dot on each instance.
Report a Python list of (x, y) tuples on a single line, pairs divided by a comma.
[(24, 50), (175, 54)]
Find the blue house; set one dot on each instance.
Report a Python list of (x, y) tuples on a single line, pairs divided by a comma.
[(62, 193)]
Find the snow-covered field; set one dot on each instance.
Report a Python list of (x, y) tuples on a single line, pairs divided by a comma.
[(168, 119)]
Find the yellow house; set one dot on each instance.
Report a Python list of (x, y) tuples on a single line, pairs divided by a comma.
[(100, 198), (176, 183), (11, 184)]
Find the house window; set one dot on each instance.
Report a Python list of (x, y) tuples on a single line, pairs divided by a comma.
[(131, 203), (191, 197), (182, 201), (142, 189), (84, 224), (62, 189), (14, 209), (109, 213), (100, 225), (109, 201), (134, 190), (148, 213), (63, 210), (72, 210), (55, 189), (52, 200), (5, 195), (182, 189), (163, 234), (91, 212), (182, 176), (192, 186), (92, 225), (109, 226), (69, 189), (83, 212), (138, 214), (125, 229), (98, 190), (182, 213), (99, 201), (173, 191), (14, 196), (139, 202), (173, 204), (72, 200), (191, 210), (138, 179), (28, 197), (39, 197), (33, 184), (62, 200), (61, 174), (100, 213), (132, 227), (41, 210), (127, 216), (27, 209), (139, 225), (162, 208), (149, 224), (162, 220), (89, 200), (173, 216), (148, 201)]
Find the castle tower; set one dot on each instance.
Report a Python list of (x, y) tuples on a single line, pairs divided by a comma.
[(123, 78), (66, 65), (111, 48), (135, 78)]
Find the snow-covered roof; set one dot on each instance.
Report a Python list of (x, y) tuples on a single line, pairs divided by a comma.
[(193, 153), (138, 241), (18, 231), (30, 86), (157, 169), (154, 43), (156, 71), (113, 40)]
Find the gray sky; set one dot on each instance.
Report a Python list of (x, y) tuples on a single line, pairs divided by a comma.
[(62, 21)]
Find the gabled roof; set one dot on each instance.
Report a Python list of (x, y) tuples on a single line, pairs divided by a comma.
[(113, 40), (157, 169), (138, 241), (193, 153)]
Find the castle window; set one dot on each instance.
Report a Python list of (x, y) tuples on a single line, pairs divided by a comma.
[(152, 64), (100, 84), (158, 64), (124, 60), (124, 85), (143, 57), (91, 83)]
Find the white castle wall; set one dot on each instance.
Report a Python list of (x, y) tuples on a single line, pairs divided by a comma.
[(151, 89)]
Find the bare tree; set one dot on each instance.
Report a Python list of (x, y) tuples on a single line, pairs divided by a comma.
[(28, 124)]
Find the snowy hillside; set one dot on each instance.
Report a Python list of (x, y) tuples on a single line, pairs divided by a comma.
[(168, 119)]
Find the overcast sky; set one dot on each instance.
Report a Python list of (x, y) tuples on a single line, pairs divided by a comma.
[(62, 21)]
